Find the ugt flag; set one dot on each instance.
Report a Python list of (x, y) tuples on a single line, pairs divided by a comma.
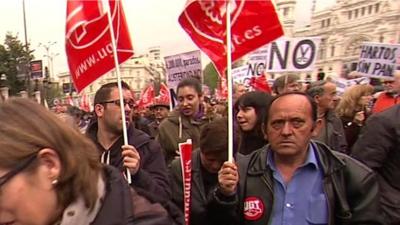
[(88, 39), (253, 24)]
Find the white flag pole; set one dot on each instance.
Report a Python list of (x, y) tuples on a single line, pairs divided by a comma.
[(106, 7), (229, 80)]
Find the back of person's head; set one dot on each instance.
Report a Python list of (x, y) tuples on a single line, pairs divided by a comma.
[(214, 137), (282, 81), (104, 92), (26, 128), (260, 101), (190, 82)]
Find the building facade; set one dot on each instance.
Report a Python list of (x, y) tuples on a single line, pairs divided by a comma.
[(138, 72), (342, 28)]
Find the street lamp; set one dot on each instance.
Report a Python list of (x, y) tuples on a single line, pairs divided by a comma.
[(50, 56), (3, 87)]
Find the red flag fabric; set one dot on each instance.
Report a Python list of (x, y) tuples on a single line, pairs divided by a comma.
[(88, 39), (253, 24), (164, 94), (260, 83), (185, 150), (146, 97)]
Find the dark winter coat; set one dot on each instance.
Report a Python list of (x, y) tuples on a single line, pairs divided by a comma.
[(379, 148)]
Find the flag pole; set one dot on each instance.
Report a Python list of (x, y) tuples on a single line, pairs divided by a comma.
[(229, 80), (119, 80)]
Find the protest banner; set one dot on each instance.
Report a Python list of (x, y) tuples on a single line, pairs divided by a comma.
[(378, 60), (285, 55), (343, 84), (182, 66), (185, 151)]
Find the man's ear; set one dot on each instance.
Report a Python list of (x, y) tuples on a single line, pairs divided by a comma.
[(99, 110), (316, 128), (264, 131), (317, 99)]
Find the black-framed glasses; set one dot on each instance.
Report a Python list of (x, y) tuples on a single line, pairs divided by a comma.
[(17, 169), (128, 102)]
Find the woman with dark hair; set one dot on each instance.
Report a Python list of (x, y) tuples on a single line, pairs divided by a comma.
[(251, 109)]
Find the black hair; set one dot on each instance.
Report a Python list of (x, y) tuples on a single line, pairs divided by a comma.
[(103, 94), (190, 82)]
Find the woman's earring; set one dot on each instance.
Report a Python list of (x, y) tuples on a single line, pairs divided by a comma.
[(54, 182)]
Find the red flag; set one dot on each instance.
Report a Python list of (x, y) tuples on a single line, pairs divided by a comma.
[(185, 150), (260, 83), (88, 40), (146, 97), (253, 24), (164, 94)]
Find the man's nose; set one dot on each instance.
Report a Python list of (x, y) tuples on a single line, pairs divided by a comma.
[(287, 129)]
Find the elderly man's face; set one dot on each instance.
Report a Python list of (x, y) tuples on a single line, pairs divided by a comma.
[(290, 125)]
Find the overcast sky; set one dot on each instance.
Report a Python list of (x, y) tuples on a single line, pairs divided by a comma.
[(151, 23)]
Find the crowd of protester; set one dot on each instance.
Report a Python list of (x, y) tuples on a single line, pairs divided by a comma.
[(303, 155)]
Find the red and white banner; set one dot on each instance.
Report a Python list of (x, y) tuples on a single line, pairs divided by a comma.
[(253, 24), (185, 150), (88, 41), (146, 97)]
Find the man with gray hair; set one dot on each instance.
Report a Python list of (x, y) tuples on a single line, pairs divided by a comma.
[(286, 83), (331, 132)]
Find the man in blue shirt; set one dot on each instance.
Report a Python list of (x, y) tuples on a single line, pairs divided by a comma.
[(295, 181)]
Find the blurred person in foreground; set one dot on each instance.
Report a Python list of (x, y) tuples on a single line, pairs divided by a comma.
[(295, 180), (353, 109), (379, 148), (50, 174)]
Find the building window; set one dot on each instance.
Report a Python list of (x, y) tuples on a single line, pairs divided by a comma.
[(370, 9), (323, 23), (328, 22), (286, 11), (376, 7), (332, 51), (356, 13), (381, 38), (350, 14), (363, 11)]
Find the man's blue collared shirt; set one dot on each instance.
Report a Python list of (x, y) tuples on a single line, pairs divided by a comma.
[(302, 201)]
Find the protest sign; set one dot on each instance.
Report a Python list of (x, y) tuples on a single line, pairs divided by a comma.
[(182, 66), (378, 60)]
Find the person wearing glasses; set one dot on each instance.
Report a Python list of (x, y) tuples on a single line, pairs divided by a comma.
[(50, 174), (391, 95), (142, 156)]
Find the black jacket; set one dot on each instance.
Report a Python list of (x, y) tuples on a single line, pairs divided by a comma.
[(152, 178), (118, 205), (350, 187), (202, 209), (379, 148)]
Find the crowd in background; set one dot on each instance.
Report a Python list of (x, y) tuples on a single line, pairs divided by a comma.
[(361, 123)]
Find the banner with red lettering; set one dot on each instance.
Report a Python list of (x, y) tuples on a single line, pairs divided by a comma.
[(253, 24), (88, 41), (185, 150)]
